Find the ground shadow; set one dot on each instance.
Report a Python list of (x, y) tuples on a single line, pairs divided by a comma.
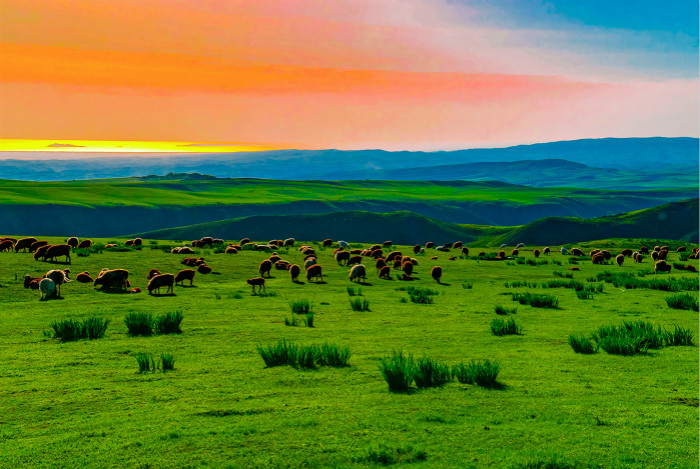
[(162, 294), (298, 282), (365, 284), (187, 286)]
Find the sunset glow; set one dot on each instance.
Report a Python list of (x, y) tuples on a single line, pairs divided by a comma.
[(125, 146)]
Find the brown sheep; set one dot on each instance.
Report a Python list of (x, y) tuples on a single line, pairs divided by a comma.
[(576, 252), (28, 279), (638, 258), (354, 260), (620, 259), (231, 250), (379, 264), (436, 273), (407, 267), (465, 251), (309, 262), (385, 272), (397, 264), (341, 256), (355, 252), (390, 257), (501, 254), (257, 282), (205, 269), (514, 253), (433, 258), (185, 274), (429, 245), (138, 241), (657, 248), (681, 249), (58, 250), (73, 242), (607, 255), (186, 250), (536, 253), (416, 249), (152, 273), (111, 245), (189, 261), (458, 245), (662, 266), (453, 258), (207, 240), (309, 256), (282, 265), (289, 242), (274, 258), (24, 244), (387, 243), (162, 280), (6, 245), (644, 250), (244, 241), (84, 277), (294, 272), (678, 266), (265, 268), (574, 268), (37, 245), (309, 251), (34, 284), (117, 278), (691, 268), (593, 253), (85, 244), (663, 254), (41, 252), (135, 290), (546, 251), (696, 250), (655, 255), (599, 259), (693, 256), (664, 248), (626, 252), (407, 277), (357, 272), (314, 271), (377, 254), (129, 242), (327, 242)]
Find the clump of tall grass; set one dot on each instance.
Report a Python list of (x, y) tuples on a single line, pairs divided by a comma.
[(573, 284), (303, 356), (421, 295), (629, 338), (388, 455), (429, 373), (519, 283), (532, 262), (167, 362), (292, 322), (499, 327), (302, 306), (628, 281), (275, 354), (69, 329), (139, 324), (352, 291), (683, 256), (558, 273), (536, 301), (684, 301), (359, 304), (333, 355), (468, 285), (398, 371), (581, 344), (168, 323), (482, 373), (679, 336), (573, 260), (267, 294), (502, 310), (309, 319), (146, 362)]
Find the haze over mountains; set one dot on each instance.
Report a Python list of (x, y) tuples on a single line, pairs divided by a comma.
[(632, 163)]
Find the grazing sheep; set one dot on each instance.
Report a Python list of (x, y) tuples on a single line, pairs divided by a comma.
[(385, 272), (282, 265), (502, 246), (387, 243), (85, 244), (520, 245), (514, 253), (294, 271), (407, 277), (244, 241), (619, 259), (663, 254), (84, 277), (392, 255), (59, 277), (327, 242), (138, 241), (607, 255), (135, 290), (465, 251), (162, 280), (185, 274), (73, 242), (397, 264), (175, 250), (453, 258), (274, 258), (341, 256), (416, 249), (691, 268), (563, 250), (576, 252), (309, 251), (644, 250), (58, 250), (433, 258), (344, 244), (442, 249), (309, 262), (186, 250), (414, 261), (357, 272), (218, 241), (189, 261), (657, 248), (24, 244), (34, 284), (110, 245), (205, 269), (289, 242), (501, 254), (447, 245), (152, 273), (681, 249), (6, 245), (207, 240), (664, 248), (231, 250), (574, 268), (598, 259), (593, 253), (117, 278), (377, 254), (314, 271), (638, 258), (379, 263), (37, 245), (354, 260), (407, 267), (429, 245), (356, 252), (546, 251), (28, 279), (662, 266), (257, 282), (405, 259), (436, 273), (536, 253), (47, 288), (655, 255), (679, 267), (458, 245), (481, 254), (626, 252)]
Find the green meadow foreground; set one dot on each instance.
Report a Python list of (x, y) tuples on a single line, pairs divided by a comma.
[(83, 404)]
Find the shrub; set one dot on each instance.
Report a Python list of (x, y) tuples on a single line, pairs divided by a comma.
[(482, 373), (82, 252), (146, 362), (359, 304), (537, 301), (503, 310), (685, 301), (167, 362), (679, 336), (352, 291), (69, 329), (581, 344), (398, 371), (300, 306), (500, 327), (430, 373), (584, 295), (333, 355), (139, 324), (169, 323)]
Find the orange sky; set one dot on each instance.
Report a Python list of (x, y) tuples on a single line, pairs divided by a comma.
[(310, 74)]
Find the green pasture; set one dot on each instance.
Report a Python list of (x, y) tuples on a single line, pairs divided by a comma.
[(83, 404)]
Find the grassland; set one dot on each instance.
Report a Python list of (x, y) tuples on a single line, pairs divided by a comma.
[(83, 404)]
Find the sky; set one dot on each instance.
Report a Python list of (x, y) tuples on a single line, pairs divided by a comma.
[(215, 75)]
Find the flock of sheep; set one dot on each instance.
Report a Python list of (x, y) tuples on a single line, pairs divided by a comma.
[(50, 283)]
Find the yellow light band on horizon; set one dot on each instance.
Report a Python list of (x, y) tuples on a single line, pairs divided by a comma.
[(129, 146)]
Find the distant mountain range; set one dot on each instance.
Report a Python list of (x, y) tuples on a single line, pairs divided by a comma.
[(630, 163)]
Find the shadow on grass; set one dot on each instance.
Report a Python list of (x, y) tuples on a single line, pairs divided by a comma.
[(157, 295), (365, 284)]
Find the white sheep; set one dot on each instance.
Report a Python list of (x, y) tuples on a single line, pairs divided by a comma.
[(47, 288), (344, 244), (564, 250), (502, 246), (357, 272), (520, 245)]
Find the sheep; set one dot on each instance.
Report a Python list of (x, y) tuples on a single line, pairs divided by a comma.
[(111, 245), (465, 251), (37, 245), (691, 268), (24, 244), (244, 241), (116, 278), (379, 264), (162, 280), (355, 252), (433, 258), (218, 241), (313, 272), (377, 254), (152, 273), (34, 284), (189, 261), (447, 245), (436, 273), (520, 245), (138, 241), (309, 262), (429, 245), (458, 245), (341, 256), (47, 288), (390, 257), (501, 254), (357, 272), (574, 268), (59, 277), (644, 250), (407, 277), (593, 253), (536, 253), (282, 265), (664, 248), (638, 258), (681, 249), (231, 250), (327, 242), (6, 245), (598, 259), (416, 249), (205, 269), (655, 255), (387, 243), (514, 253), (619, 259), (274, 258), (186, 250), (576, 252), (7, 238), (28, 279), (257, 282), (185, 274), (662, 266), (309, 251), (607, 255), (626, 252), (85, 244), (294, 271), (84, 277), (414, 261), (289, 242), (563, 250), (344, 244), (58, 250), (407, 268), (397, 264), (453, 258), (663, 254), (546, 251), (657, 248), (385, 272), (442, 249), (354, 260), (207, 240), (135, 290)]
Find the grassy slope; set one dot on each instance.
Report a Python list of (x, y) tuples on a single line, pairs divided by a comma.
[(677, 220), (82, 404)]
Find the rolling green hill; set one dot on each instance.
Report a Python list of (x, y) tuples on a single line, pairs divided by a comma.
[(120, 206), (676, 221)]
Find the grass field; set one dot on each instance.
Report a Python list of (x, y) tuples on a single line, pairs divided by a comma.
[(83, 404)]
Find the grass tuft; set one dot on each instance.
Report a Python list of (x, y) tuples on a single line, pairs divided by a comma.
[(69, 329), (146, 362), (359, 304), (333, 355), (421, 295), (482, 373), (581, 344), (388, 455), (430, 373), (501, 327), (354, 291), (300, 306), (398, 371), (502, 310), (679, 336), (684, 301), (169, 323), (167, 362), (536, 301), (139, 324)]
